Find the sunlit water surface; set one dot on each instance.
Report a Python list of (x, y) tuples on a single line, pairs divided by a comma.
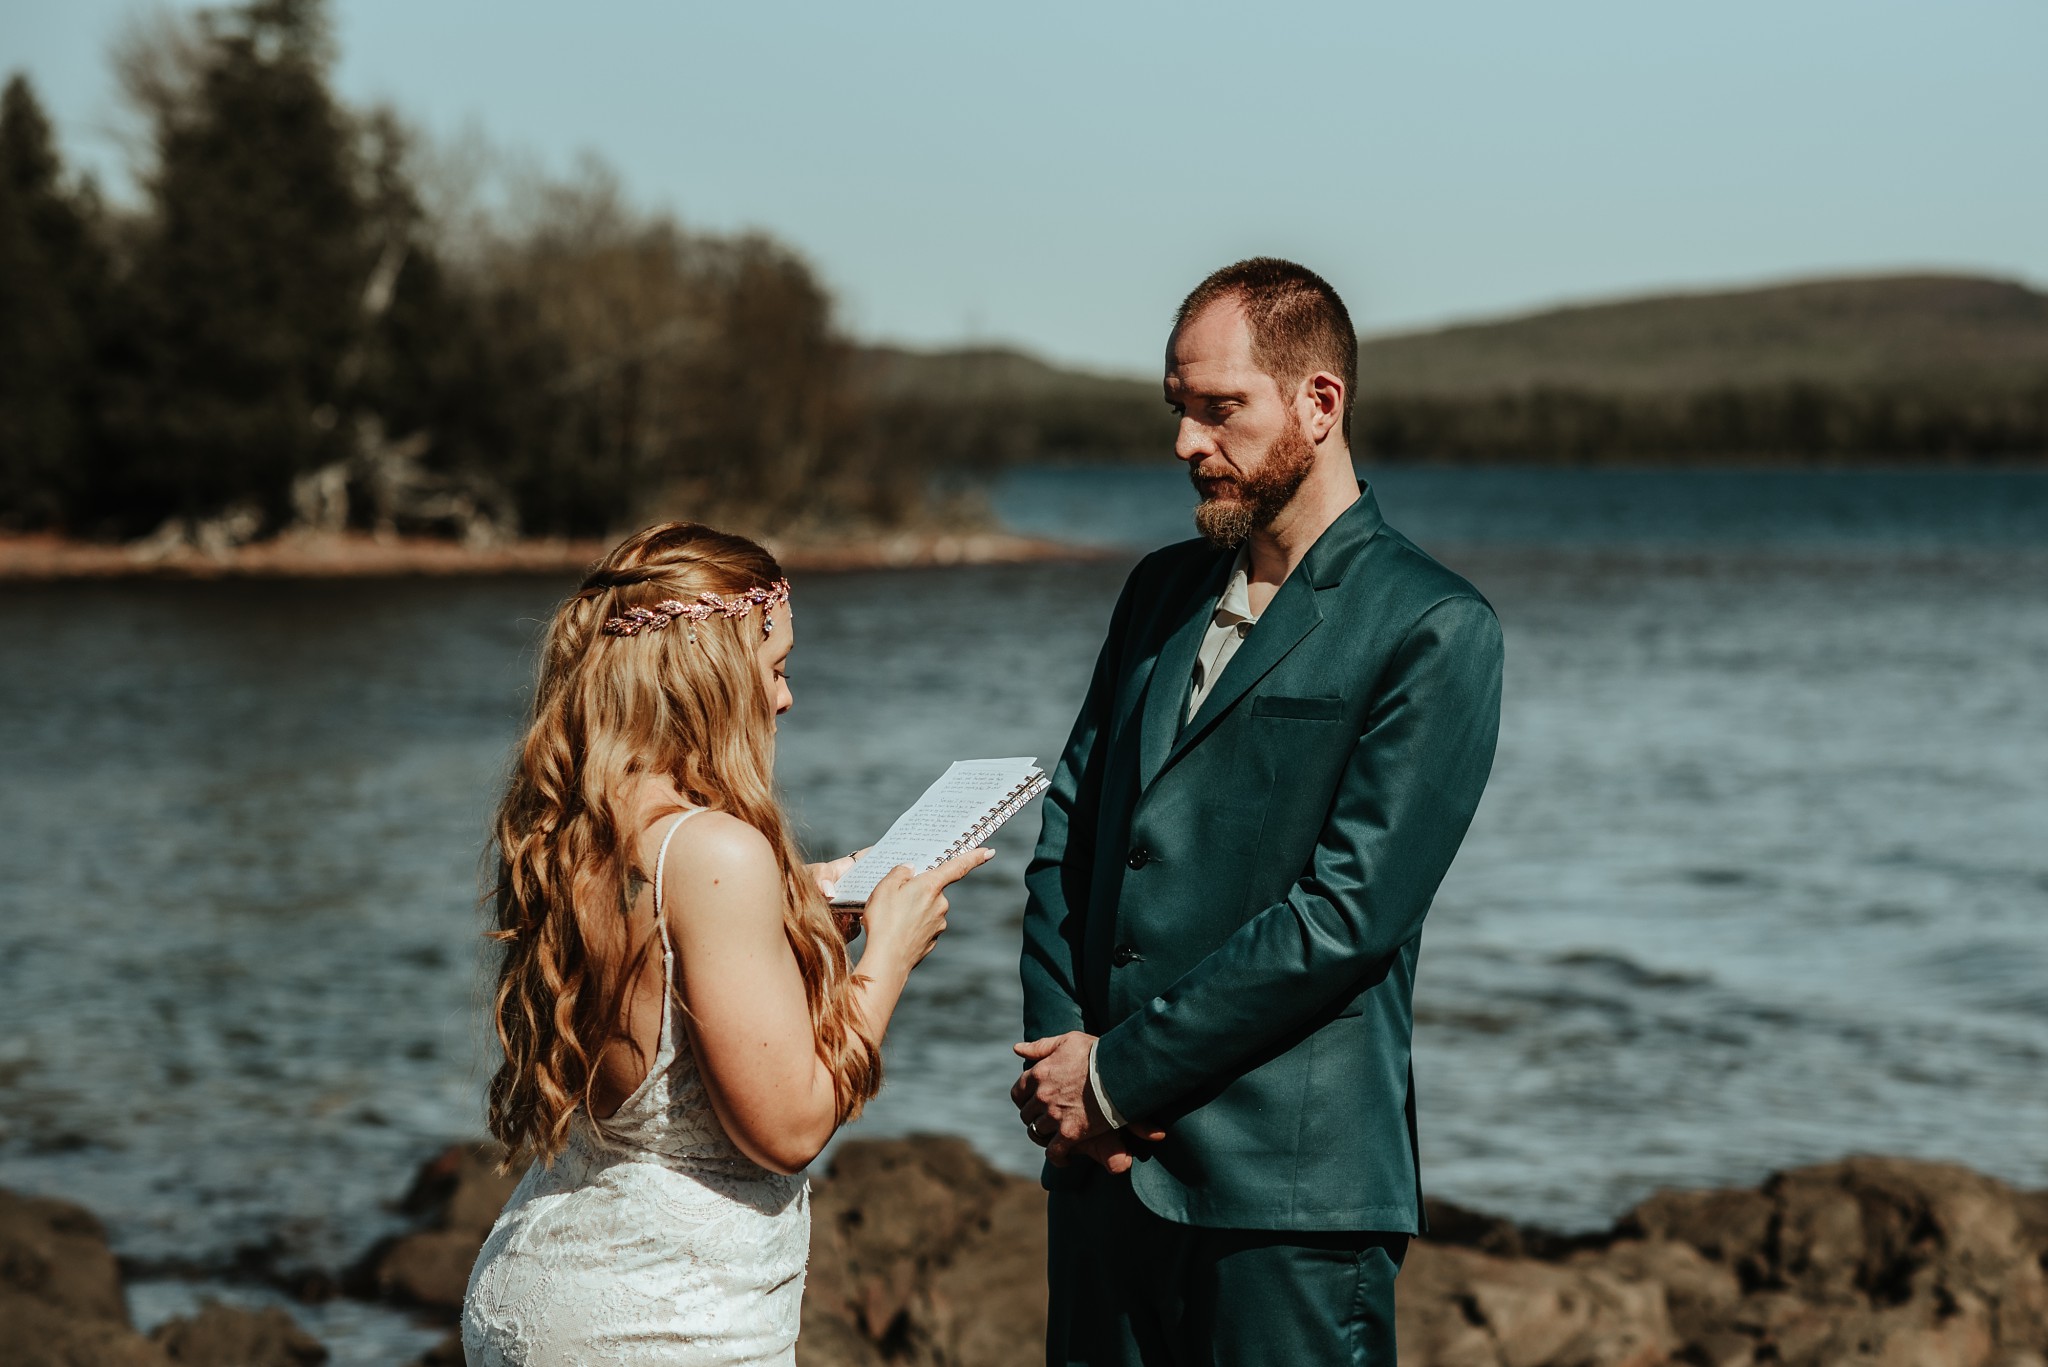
[(1761, 877)]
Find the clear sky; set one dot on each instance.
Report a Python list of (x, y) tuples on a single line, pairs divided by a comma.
[(1057, 174)]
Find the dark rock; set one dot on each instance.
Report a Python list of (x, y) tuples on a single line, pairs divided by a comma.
[(1870, 1260), (60, 1290), (61, 1305), (457, 1194), (922, 1253), (57, 1253), (1457, 1227), (1698, 1292), (827, 1340), (429, 1269), (1458, 1305), (462, 1188), (988, 1303), (36, 1333), (228, 1336), (1731, 1227), (1453, 1224)]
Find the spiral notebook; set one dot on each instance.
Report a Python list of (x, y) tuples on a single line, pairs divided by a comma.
[(964, 808)]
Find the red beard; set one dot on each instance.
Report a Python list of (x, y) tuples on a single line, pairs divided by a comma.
[(1233, 507)]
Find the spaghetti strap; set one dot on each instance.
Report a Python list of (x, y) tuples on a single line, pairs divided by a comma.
[(665, 1045), (661, 916)]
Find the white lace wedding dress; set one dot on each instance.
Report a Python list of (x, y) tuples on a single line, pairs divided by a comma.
[(652, 1239)]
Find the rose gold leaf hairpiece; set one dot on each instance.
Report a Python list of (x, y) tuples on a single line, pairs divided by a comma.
[(634, 621)]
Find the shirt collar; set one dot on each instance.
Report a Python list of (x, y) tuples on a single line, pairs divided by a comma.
[(1235, 605)]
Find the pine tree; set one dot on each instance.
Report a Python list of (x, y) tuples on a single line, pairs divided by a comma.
[(51, 279), (244, 301), (444, 370)]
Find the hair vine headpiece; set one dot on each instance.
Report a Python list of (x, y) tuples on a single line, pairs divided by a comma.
[(766, 597)]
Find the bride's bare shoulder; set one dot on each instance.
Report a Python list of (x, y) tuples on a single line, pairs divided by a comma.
[(716, 859), (722, 839)]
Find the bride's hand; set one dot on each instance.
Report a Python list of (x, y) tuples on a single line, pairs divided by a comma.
[(906, 913), (828, 874)]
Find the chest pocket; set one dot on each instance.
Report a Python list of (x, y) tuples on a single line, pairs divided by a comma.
[(1298, 709)]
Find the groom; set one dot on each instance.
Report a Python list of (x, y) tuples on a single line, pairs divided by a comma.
[(1288, 730)]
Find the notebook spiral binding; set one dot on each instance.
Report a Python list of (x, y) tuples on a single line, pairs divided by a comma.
[(1013, 802)]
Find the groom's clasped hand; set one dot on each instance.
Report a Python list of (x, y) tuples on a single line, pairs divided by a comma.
[(1056, 1102)]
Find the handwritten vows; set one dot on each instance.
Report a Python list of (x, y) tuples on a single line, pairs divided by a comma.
[(967, 805)]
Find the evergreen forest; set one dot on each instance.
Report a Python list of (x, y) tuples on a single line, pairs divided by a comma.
[(309, 320), (284, 334)]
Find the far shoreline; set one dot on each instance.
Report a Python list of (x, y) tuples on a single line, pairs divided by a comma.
[(50, 558)]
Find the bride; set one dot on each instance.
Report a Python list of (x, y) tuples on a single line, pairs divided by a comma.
[(681, 1025)]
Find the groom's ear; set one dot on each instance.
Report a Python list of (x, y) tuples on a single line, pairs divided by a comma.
[(1319, 403)]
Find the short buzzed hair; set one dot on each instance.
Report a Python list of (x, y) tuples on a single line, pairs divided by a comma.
[(1298, 323)]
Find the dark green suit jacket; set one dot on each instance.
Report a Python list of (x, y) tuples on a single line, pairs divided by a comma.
[(1234, 905)]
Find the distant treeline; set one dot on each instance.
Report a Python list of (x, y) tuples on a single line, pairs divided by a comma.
[(312, 320), (987, 434), (1886, 369), (1795, 421), (285, 334)]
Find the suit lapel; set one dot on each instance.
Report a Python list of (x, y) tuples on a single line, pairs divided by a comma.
[(1173, 668), (1287, 621), (1290, 617)]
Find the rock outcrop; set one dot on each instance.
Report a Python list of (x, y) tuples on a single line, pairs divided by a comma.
[(922, 1254), (61, 1305), (222, 1335), (1870, 1260), (456, 1197), (1873, 1261)]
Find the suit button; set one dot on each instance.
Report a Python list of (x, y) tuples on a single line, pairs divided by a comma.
[(1139, 857), (1123, 956)]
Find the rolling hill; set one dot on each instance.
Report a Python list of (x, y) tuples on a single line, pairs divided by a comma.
[(1907, 367), (1910, 329)]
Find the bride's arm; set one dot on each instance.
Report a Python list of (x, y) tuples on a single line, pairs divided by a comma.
[(748, 1018)]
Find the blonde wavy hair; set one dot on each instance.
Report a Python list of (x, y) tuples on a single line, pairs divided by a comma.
[(609, 709)]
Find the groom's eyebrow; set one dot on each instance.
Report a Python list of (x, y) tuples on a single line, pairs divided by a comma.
[(1178, 393)]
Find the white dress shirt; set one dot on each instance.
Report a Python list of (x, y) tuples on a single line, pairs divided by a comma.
[(1229, 624)]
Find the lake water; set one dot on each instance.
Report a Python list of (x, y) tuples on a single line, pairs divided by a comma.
[(1761, 877)]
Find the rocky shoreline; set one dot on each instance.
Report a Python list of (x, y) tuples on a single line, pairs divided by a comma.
[(924, 1254), (38, 557)]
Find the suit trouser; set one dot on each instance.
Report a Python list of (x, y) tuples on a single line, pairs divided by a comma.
[(1129, 1289)]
